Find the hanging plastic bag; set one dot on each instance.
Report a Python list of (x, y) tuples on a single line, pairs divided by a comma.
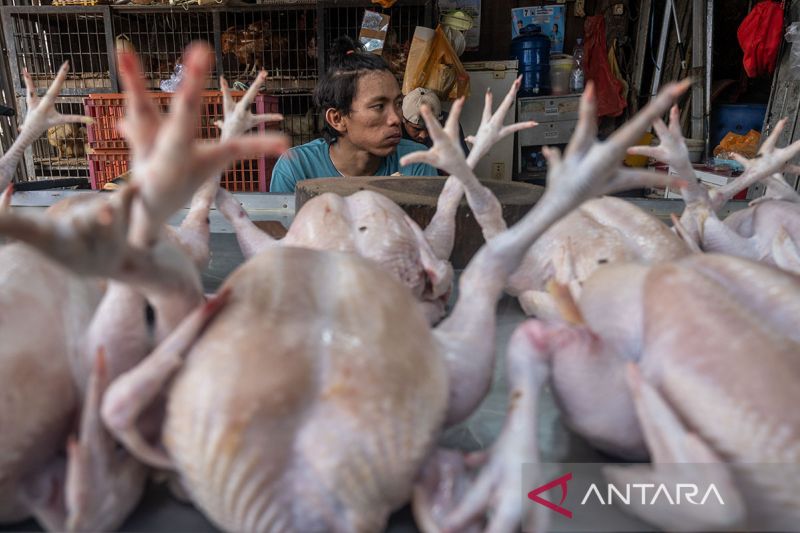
[(759, 36), (434, 65), (616, 71), (793, 36), (171, 85), (610, 102)]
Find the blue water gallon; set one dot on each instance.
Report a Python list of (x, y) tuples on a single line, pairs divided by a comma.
[(532, 50), (738, 118)]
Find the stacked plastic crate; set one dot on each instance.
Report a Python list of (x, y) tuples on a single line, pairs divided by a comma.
[(109, 154)]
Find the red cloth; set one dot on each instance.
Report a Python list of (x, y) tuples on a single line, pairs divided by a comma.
[(608, 88), (760, 35)]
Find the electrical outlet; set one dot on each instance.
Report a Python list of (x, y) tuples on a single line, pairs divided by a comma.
[(498, 171), (619, 9)]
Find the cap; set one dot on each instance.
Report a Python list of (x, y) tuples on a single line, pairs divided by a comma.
[(413, 101)]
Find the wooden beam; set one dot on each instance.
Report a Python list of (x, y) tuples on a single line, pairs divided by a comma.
[(662, 44), (640, 52), (698, 50), (709, 42)]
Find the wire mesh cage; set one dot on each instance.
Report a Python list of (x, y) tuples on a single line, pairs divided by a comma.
[(8, 129), (280, 41), (402, 22), (61, 152), (26, 2), (301, 120), (287, 39), (160, 35), (40, 39)]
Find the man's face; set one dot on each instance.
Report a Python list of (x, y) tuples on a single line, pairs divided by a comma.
[(519, 25), (375, 116), (418, 133)]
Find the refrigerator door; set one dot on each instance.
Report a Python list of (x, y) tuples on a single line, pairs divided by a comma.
[(497, 76)]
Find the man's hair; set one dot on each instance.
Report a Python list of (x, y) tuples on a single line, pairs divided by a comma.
[(337, 88)]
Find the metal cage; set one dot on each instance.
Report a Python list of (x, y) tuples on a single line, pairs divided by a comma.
[(347, 19), (160, 36), (281, 41), (40, 39), (61, 152), (288, 39)]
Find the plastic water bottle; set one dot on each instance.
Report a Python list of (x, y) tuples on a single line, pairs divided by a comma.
[(577, 79)]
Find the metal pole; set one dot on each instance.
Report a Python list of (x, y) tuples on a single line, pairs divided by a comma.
[(681, 47), (698, 52), (645, 6), (709, 61), (662, 44)]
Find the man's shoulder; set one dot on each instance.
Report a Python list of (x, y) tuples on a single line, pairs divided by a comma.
[(407, 146), (315, 147)]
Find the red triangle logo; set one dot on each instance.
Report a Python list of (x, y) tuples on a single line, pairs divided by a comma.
[(558, 482)]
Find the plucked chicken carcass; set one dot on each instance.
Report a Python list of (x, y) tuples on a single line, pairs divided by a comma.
[(768, 230), (68, 139), (329, 386), (371, 225), (658, 361), (600, 231), (95, 330), (37, 292), (690, 361)]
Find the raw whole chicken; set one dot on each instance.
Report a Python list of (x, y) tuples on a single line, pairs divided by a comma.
[(329, 387), (768, 230), (602, 230), (690, 361), (93, 330), (371, 225), (50, 338)]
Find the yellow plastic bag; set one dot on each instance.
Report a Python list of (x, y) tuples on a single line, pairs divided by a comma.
[(434, 65), (733, 143)]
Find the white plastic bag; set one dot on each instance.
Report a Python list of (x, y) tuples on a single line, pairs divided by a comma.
[(793, 36), (171, 85)]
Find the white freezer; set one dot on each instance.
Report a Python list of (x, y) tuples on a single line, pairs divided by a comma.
[(497, 75)]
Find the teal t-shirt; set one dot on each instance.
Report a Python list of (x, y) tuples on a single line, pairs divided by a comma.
[(312, 160)]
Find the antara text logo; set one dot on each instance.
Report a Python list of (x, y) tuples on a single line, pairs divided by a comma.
[(608, 493)]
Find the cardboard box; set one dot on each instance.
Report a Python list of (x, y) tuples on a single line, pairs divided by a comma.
[(374, 29), (709, 179)]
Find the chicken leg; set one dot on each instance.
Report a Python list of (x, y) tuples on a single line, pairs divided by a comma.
[(41, 115)]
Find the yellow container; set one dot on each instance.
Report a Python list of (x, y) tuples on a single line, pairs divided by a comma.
[(457, 19), (640, 160), (560, 69)]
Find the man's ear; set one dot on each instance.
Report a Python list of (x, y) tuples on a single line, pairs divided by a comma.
[(336, 119)]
